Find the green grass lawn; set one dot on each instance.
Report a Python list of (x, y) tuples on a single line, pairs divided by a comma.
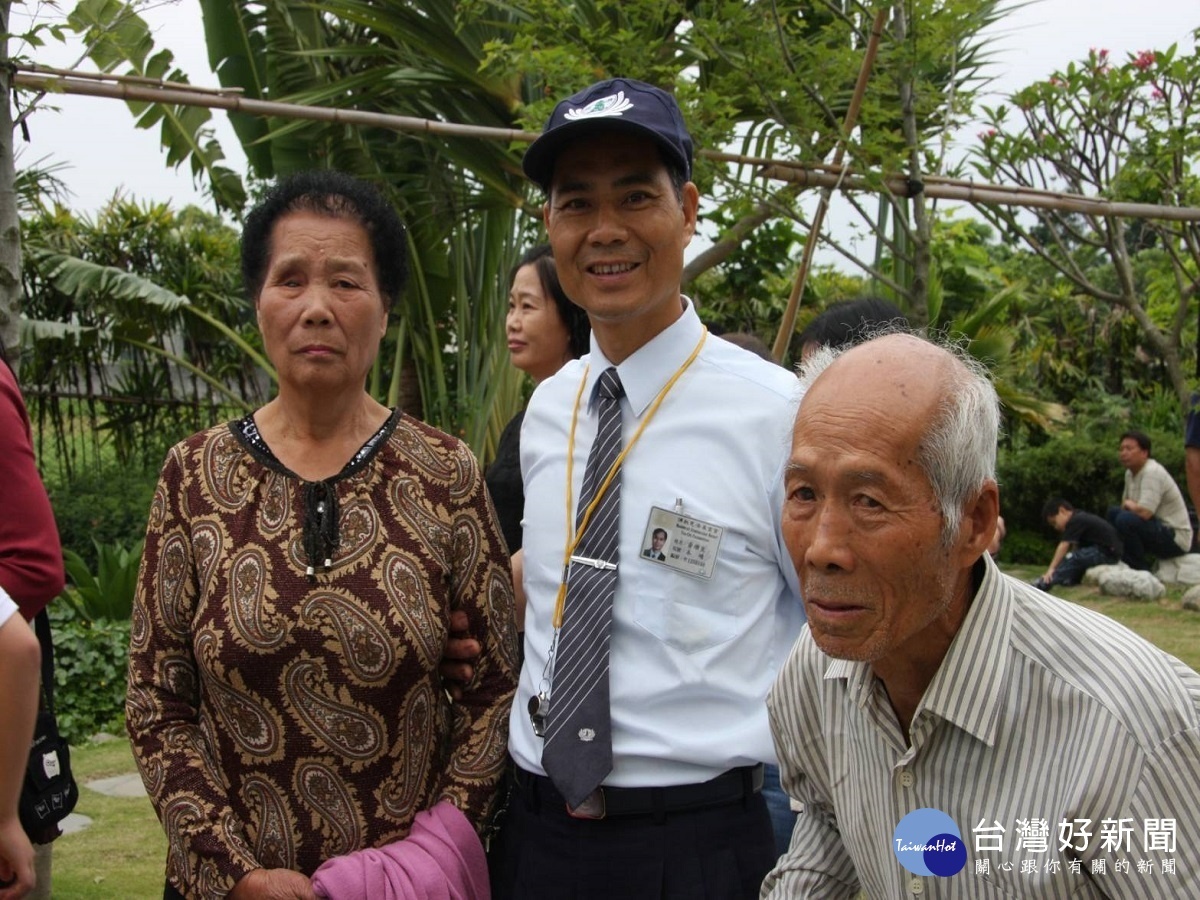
[(1163, 623), (121, 855)]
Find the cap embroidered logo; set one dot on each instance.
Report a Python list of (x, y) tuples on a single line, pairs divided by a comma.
[(613, 105)]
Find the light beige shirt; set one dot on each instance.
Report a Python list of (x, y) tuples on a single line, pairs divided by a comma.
[(1154, 489), (1041, 711)]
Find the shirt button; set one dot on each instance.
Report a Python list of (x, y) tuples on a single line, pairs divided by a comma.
[(907, 779), (916, 886)]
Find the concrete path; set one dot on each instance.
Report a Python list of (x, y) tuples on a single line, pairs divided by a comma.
[(118, 786)]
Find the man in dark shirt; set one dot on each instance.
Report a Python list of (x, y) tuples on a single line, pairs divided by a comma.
[(1087, 541)]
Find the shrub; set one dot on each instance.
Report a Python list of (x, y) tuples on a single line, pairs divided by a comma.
[(1021, 546), (109, 593), (105, 506), (90, 659)]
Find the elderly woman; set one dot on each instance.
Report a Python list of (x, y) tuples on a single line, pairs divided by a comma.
[(300, 569)]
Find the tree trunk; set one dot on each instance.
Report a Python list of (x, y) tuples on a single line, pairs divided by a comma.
[(921, 231), (722, 249), (10, 225)]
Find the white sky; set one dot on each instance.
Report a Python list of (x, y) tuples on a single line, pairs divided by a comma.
[(96, 137)]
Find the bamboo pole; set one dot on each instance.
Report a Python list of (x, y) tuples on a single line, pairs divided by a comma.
[(788, 324), (815, 174), (987, 195), (185, 95), (38, 69)]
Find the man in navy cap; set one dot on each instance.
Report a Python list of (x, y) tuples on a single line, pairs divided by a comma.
[(640, 727)]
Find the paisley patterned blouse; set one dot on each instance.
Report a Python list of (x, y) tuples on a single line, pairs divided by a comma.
[(281, 718)]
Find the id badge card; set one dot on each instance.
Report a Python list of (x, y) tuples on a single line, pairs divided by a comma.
[(681, 542)]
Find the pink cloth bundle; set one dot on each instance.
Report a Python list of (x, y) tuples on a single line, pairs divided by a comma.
[(442, 859)]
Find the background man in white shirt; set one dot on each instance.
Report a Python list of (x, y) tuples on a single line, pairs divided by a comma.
[(1152, 519)]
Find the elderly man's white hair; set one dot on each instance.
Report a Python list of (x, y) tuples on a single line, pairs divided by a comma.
[(958, 452)]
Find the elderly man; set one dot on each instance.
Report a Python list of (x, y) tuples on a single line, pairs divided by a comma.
[(949, 730), (1152, 518), (640, 725)]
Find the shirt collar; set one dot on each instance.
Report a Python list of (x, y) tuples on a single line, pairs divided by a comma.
[(969, 687), (651, 366)]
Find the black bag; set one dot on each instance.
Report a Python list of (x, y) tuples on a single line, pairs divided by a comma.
[(49, 792)]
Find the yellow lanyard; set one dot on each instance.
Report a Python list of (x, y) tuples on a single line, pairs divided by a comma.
[(573, 541)]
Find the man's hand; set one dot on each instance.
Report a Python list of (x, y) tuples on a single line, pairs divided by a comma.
[(462, 652), (273, 884)]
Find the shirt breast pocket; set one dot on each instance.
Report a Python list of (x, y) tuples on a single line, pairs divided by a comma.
[(693, 614)]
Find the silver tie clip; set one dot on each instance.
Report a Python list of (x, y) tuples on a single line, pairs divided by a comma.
[(594, 563)]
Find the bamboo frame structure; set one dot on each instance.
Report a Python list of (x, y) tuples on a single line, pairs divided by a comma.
[(818, 175), (982, 193), (828, 177)]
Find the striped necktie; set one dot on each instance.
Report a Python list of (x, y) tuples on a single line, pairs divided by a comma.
[(577, 754)]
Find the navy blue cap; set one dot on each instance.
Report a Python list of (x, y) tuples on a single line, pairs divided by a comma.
[(619, 104)]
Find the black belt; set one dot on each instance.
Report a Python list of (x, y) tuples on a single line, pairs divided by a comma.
[(733, 786)]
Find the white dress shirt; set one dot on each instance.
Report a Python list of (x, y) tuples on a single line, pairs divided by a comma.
[(691, 659), (1042, 711)]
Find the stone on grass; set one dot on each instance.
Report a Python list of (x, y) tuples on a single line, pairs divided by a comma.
[(1191, 599), (1093, 575), (1183, 569), (128, 785), (74, 822), (1131, 583)]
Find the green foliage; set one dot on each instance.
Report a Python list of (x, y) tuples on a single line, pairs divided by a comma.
[(108, 594), (454, 330), (501, 64), (1023, 546), (1081, 470), (102, 507), (90, 659), (134, 324), (748, 291)]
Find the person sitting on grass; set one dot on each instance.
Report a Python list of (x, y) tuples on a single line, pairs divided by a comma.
[(1087, 541)]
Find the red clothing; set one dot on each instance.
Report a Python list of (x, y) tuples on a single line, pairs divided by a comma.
[(31, 561)]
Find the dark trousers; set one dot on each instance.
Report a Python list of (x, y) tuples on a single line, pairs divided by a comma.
[(716, 853), (1074, 564), (1143, 536)]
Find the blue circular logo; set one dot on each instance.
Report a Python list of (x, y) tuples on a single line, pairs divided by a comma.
[(928, 842)]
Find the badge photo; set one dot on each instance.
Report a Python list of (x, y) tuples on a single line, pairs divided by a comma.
[(680, 542)]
